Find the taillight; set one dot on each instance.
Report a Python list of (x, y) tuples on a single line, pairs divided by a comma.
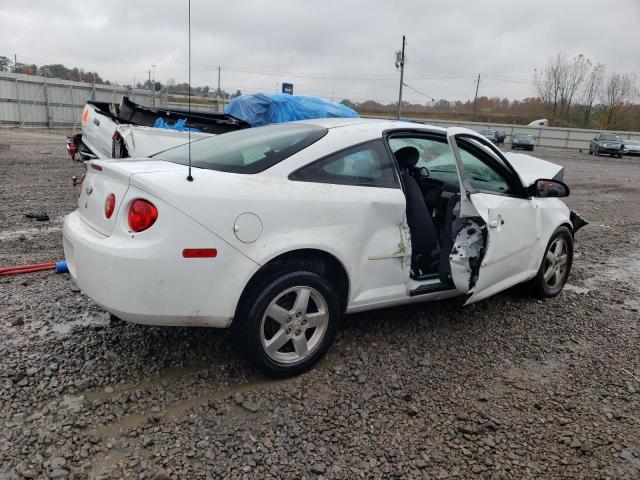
[(142, 214), (109, 205)]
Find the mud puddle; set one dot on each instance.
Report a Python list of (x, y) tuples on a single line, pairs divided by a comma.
[(176, 410)]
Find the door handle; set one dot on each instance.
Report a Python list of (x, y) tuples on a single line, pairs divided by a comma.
[(96, 122), (496, 223)]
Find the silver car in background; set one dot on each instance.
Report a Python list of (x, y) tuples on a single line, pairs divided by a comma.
[(631, 147)]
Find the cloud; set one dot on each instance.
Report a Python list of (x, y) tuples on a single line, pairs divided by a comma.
[(331, 48)]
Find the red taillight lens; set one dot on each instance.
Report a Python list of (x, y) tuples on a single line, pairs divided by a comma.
[(109, 205), (142, 215), (199, 253)]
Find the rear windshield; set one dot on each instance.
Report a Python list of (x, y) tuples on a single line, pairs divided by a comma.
[(523, 136), (251, 150)]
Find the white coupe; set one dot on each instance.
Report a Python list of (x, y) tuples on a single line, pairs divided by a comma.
[(285, 228)]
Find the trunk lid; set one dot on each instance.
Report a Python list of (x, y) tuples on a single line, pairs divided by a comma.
[(105, 177)]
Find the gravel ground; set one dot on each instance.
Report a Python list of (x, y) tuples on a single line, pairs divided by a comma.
[(508, 388)]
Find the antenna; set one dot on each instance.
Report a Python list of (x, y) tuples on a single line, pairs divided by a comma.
[(189, 177)]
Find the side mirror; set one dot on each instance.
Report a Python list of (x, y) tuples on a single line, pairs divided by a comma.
[(543, 188), (595, 138)]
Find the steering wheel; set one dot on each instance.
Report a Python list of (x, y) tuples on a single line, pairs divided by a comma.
[(424, 172)]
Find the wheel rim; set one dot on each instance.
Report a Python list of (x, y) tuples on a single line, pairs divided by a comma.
[(555, 263), (294, 324)]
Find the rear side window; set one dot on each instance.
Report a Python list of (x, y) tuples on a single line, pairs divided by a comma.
[(251, 150), (367, 164)]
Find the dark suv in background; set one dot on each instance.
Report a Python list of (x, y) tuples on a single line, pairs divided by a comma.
[(608, 143), (495, 136), (525, 141)]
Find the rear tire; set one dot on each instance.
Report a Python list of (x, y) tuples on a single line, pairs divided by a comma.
[(287, 322), (556, 265)]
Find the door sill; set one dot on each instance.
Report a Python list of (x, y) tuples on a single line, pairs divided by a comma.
[(431, 288)]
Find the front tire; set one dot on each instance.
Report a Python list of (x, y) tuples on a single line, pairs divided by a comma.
[(288, 322), (556, 264)]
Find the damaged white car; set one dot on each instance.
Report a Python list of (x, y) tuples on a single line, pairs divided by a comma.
[(287, 227)]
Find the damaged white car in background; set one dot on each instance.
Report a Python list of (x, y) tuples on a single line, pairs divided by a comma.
[(287, 227)]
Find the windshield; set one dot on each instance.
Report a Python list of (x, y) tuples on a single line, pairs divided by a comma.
[(631, 142), (610, 137), (251, 150)]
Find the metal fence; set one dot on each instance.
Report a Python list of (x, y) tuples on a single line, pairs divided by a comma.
[(576, 138), (31, 101)]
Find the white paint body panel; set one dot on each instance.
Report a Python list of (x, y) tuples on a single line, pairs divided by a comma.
[(531, 168), (141, 141), (147, 141), (143, 277)]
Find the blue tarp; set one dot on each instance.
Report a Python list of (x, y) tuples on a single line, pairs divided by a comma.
[(179, 125), (265, 108)]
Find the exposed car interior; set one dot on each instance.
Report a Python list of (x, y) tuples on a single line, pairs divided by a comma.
[(431, 198), (429, 176)]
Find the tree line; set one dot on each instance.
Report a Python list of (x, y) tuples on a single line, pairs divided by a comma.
[(571, 92), (52, 71)]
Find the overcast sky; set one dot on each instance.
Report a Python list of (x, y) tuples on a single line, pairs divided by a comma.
[(331, 48)]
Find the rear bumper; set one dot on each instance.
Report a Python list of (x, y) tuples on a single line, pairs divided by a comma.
[(146, 280)]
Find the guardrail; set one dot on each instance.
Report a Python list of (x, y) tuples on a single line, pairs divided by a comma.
[(558, 137)]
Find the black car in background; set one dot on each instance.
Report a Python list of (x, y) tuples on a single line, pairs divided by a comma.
[(491, 135), (495, 136), (608, 143), (525, 141)]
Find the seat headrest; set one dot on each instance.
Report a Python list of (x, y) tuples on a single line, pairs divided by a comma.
[(407, 157)]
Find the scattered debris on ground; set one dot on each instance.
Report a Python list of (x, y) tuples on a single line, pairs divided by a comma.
[(510, 387)]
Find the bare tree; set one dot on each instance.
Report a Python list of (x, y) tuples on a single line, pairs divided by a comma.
[(547, 83), (592, 87), (573, 75), (616, 95), (559, 82)]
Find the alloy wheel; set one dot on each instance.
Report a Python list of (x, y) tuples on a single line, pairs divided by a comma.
[(294, 324), (555, 263)]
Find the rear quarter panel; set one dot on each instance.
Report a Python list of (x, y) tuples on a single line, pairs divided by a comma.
[(350, 222)]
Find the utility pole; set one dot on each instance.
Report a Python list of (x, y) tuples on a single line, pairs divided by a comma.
[(400, 63), (218, 92), (15, 62), (475, 100), (153, 86)]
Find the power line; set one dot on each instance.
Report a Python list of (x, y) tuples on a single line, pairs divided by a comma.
[(419, 92)]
